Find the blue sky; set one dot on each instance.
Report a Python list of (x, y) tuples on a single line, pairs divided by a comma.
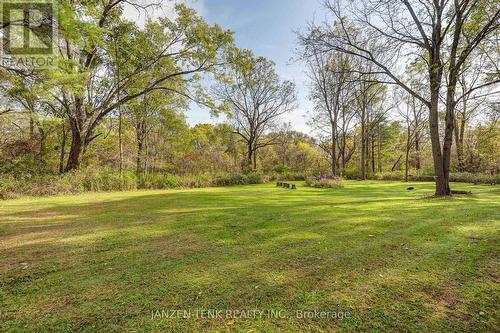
[(266, 27)]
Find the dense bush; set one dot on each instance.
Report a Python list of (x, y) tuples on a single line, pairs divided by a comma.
[(351, 174), (463, 177), (90, 180), (475, 178), (159, 181), (288, 175), (70, 183), (420, 178), (239, 179), (327, 182), (396, 175), (282, 173), (427, 176)]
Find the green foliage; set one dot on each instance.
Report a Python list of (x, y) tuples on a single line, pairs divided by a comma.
[(281, 169), (459, 177), (27, 166), (289, 175), (325, 182), (85, 180), (351, 174), (93, 180), (475, 178), (395, 175), (238, 179)]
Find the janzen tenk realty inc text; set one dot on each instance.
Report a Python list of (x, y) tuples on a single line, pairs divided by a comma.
[(247, 314)]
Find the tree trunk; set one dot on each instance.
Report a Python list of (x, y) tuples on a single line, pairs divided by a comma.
[(379, 150), (81, 136), (334, 152), (459, 141), (146, 157), (396, 163), (249, 156), (418, 165), (442, 182), (254, 159), (363, 144), (32, 128), (120, 140), (140, 134), (63, 149), (448, 137), (43, 138), (373, 153), (344, 138), (407, 152), (367, 153), (76, 152), (139, 160)]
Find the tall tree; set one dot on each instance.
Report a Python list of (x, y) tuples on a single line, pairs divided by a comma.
[(256, 98), (331, 77), (149, 112), (444, 34), (149, 60), (412, 114)]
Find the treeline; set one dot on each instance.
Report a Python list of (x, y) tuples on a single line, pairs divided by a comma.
[(434, 62), (111, 114)]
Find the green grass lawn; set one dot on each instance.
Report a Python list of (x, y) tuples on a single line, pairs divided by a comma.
[(396, 260)]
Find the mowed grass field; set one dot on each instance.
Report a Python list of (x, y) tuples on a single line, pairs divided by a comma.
[(396, 260)]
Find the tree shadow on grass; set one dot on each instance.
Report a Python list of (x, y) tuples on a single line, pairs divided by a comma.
[(254, 248)]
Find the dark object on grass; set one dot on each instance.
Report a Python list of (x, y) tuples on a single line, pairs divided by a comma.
[(278, 184), (462, 192), (410, 188), (294, 187)]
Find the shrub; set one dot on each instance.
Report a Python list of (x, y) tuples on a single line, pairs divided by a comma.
[(421, 178), (395, 175), (239, 179), (196, 181), (92, 180), (464, 177), (475, 178), (325, 182), (228, 180), (253, 178), (159, 181), (350, 174), (37, 185), (281, 169), (8, 186), (293, 176)]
